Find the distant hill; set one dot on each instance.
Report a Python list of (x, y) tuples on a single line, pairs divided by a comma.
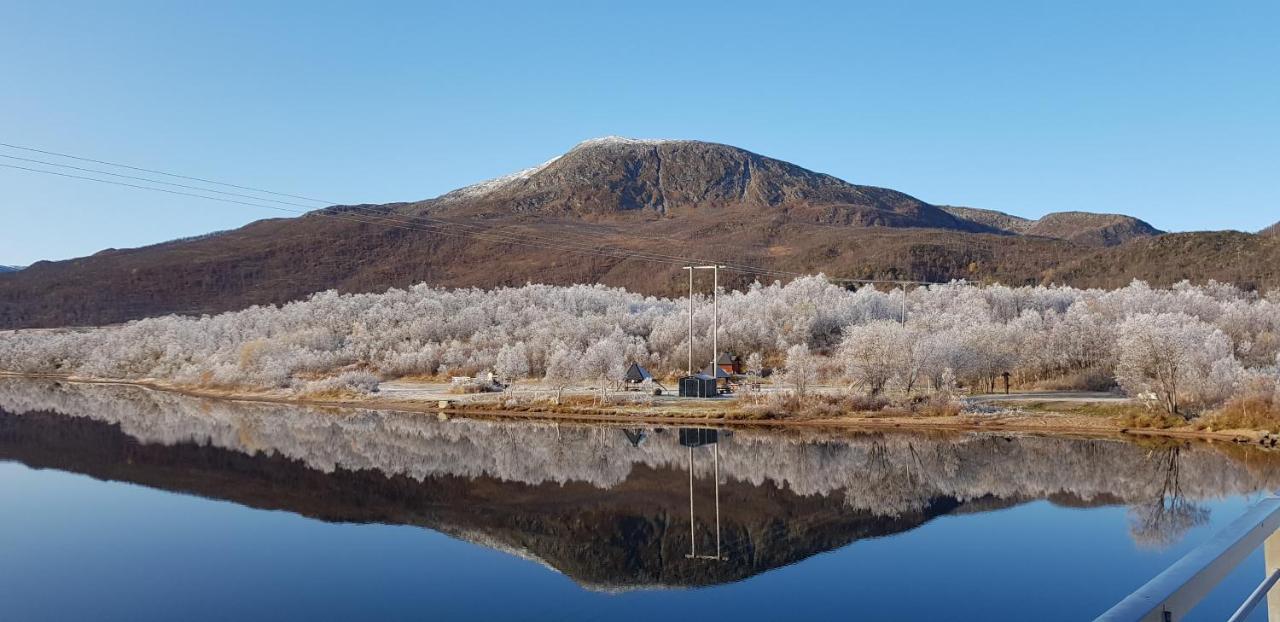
[(1273, 230), (998, 221), (1084, 228), (9, 268), (1092, 229), (1252, 261), (626, 213)]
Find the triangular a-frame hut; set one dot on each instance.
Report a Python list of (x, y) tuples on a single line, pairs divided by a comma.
[(637, 374)]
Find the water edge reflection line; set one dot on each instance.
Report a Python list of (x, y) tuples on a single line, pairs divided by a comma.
[(886, 475)]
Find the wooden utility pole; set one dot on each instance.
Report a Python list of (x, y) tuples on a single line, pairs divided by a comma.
[(904, 305), (715, 325), (715, 308), (690, 370)]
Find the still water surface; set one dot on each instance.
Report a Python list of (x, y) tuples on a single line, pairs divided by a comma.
[(126, 504)]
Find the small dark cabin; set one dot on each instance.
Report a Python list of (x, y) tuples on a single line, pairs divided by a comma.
[(698, 385)]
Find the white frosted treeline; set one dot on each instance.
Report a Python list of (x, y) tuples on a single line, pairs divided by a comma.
[(884, 474), (587, 333)]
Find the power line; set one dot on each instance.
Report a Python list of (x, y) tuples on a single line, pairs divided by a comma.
[(120, 183), (174, 175), (154, 181)]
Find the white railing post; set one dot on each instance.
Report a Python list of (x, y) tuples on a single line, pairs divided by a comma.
[(1271, 553), (1173, 593)]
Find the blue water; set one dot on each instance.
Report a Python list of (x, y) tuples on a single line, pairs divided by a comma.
[(76, 547)]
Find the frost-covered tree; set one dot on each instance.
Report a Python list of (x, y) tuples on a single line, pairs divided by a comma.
[(876, 353), (562, 370), (604, 362), (1174, 356), (968, 333), (802, 368), (512, 362)]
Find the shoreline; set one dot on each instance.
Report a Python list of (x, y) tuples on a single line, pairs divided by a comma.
[(1043, 424)]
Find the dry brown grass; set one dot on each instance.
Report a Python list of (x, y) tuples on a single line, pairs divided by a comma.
[(1118, 410), (1151, 419), (812, 406), (938, 406), (335, 395), (1084, 380), (422, 378), (1254, 411), (832, 406)]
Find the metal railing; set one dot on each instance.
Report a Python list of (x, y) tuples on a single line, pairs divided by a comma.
[(1173, 593)]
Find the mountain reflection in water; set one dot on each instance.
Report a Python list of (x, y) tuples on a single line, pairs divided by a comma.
[(610, 507)]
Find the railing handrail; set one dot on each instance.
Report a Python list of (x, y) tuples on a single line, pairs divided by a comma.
[(1173, 593), (1256, 597)]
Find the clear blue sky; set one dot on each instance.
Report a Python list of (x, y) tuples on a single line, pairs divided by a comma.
[(1165, 110)]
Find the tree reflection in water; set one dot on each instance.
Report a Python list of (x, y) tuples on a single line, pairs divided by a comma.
[(611, 507), (1163, 520)]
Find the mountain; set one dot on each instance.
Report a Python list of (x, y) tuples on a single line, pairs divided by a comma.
[(4, 269), (1084, 228), (1273, 230), (612, 175), (625, 213)]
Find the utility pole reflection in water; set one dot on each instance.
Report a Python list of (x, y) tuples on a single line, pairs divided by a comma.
[(702, 437)]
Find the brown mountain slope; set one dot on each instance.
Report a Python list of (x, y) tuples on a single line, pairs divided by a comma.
[(274, 261), (1084, 228), (680, 199), (1092, 229), (1273, 230), (991, 218), (1252, 261)]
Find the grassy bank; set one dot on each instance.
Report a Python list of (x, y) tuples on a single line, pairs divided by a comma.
[(818, 410)]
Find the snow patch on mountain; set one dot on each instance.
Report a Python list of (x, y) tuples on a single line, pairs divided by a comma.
[(605, 141), (489, 185)]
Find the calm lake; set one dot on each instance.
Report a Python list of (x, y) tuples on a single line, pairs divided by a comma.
[(126, 504)]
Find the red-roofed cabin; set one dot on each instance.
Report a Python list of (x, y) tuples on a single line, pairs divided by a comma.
[(730, 363)]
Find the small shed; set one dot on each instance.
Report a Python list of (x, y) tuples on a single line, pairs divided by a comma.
[(698, 385)]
